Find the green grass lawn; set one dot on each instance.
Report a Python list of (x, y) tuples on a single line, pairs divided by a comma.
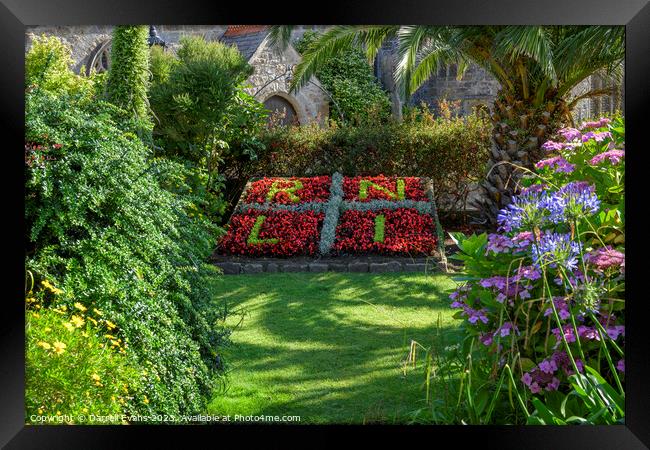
[(330, 347)]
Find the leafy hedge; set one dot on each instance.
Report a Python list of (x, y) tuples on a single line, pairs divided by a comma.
[(452, 151), (102, 228)]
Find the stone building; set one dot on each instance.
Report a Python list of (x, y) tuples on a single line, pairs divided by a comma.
[(270, 80)]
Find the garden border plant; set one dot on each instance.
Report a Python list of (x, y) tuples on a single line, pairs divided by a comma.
[(543, 300)]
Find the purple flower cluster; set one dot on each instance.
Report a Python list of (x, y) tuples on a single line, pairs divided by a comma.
[(523, 239), (570, 134), (499, 243), (598, 136), (556, 249), (558, 163), (545, 375), (604, 258), (562, 307), (527, 210), (507, 288), (614, 156), (572, 201), (597, 124)]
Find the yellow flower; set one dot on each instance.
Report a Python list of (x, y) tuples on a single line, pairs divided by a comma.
[(59, 347), (77, 321), (92, 320), (146, 400), (85, 410), (98, 312), (40, 411), (47, 329), (45, 345), (52, 289), (79, 306), (95, 377), (109, 336), (69, 326), (110, 325)]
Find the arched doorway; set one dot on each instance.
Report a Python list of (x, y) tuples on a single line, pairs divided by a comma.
[(282, 111)]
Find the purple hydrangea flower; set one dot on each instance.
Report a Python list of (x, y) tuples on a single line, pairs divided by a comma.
[(614, 156), (558, 163), (616, 331), (506, 328), (486, 338), (550, 146), (561, 306), (620, 365), (554, 248), (523, 240), (570, 134), (495, 281), (598, 136), (499, 243), (596, 124)]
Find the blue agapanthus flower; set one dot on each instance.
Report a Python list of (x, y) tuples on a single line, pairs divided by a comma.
[(572, 201), (556, 249), (527, 210)]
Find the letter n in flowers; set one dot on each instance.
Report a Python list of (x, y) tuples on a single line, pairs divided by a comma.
[(398, 194), (254, 236)]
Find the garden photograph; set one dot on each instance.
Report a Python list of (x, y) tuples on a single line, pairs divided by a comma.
[(325, 225)]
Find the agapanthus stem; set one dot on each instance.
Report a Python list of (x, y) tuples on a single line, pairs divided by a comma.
[(612, 368), (602, 330)]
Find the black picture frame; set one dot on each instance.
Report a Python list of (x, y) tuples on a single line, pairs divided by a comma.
[(16, 15)]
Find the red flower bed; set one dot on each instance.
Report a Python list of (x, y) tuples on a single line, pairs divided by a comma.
[(292, 191), (354, 189), (405, 232), (279, 233)]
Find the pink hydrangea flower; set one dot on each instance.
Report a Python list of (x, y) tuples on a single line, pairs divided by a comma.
[(558, 163), (614, 157)]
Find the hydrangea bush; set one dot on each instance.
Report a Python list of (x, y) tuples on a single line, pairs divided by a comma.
[(543, 303)]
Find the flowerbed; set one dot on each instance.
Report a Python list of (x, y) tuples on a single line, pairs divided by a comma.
[(364, 189), (300, 216), (289, 190), (273, 233), (544, 304)]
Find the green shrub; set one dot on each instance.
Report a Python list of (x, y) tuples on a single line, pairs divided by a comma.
[(47, 67), (452, 151), (74, 364), (128, 77), (101, 225), (352, 84)]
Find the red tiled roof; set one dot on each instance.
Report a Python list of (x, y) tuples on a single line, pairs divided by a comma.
[(237, 30)]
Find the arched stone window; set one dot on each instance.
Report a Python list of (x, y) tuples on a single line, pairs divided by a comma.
[(100, 58), (282, 111)]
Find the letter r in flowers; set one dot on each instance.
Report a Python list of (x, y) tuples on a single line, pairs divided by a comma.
[(254, 236), (380, 221), (289, 190), (398, 194)]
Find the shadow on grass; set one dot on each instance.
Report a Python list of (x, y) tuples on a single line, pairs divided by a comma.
[(332, 347)]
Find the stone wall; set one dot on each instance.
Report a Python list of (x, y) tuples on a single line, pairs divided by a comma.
[(269, 79)]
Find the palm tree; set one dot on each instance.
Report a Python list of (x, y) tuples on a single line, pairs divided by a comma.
[(537, 68)]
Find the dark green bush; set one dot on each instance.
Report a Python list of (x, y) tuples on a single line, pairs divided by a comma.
[(103, 228), (352, 84), (451, 150)]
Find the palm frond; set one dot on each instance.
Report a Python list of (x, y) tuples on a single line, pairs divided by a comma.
[(533, 42), (410, 41), (328, 45), (374, 37), (432, 57), (590, 46), (279, 36)]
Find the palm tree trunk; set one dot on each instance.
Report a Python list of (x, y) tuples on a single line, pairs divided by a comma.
[(519, 128)]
